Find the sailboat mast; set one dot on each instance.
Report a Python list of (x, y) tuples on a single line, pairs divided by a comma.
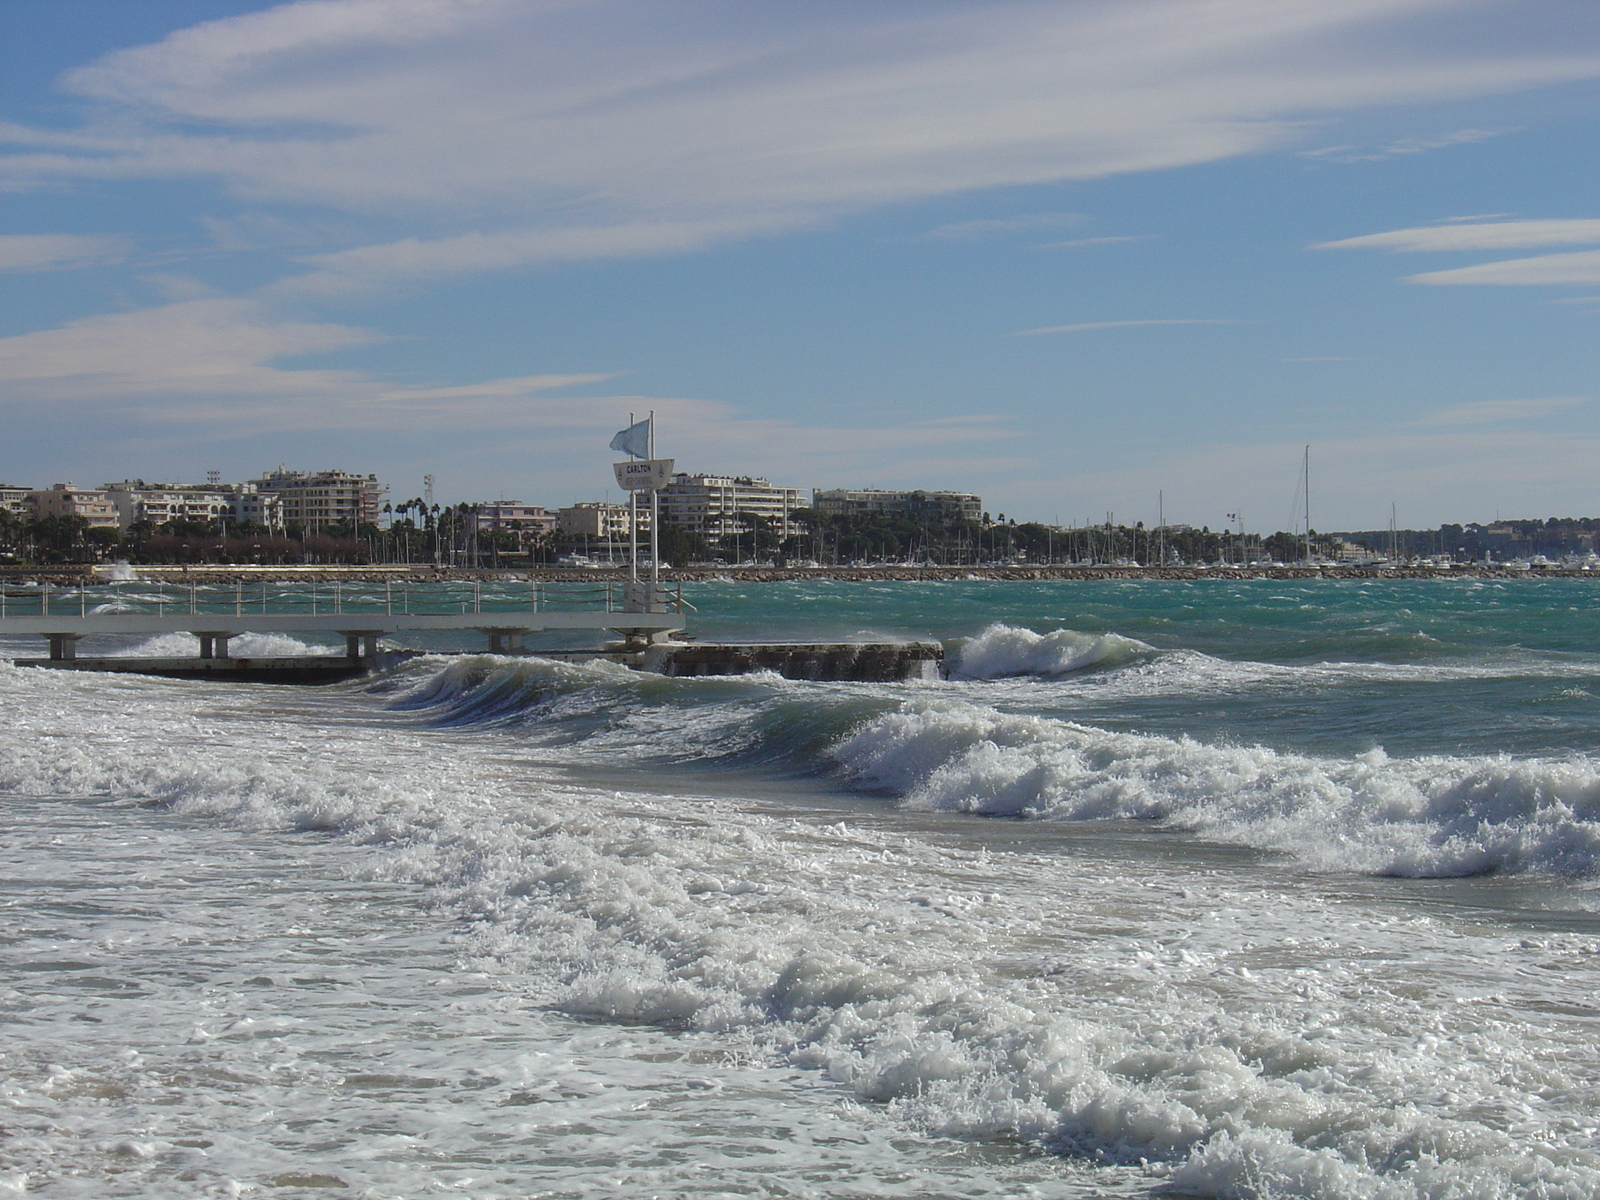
[(1306, 483)]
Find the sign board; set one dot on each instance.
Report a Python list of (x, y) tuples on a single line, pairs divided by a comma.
[(645, 474)]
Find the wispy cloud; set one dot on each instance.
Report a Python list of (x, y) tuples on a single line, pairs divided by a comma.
[(1477, 235), (1087, 326), (1582, 267), (1489, 412), (1076, 243), (998, 226), (1400, 148), (579, 120), (416, 259), (57, 251)]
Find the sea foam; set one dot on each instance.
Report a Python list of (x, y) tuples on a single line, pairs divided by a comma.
[(1429, 815), (1011, 998)]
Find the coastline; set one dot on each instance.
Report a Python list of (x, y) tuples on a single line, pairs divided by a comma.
[(220, 574)]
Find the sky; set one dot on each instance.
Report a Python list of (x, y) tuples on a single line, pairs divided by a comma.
[(1078, 256)]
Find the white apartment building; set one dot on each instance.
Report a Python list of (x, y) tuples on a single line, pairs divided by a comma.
[(714, 505), (157, 503), (14, 499), (914, 505), (68, 500), (249, 503), (316, 500), (603, 522)]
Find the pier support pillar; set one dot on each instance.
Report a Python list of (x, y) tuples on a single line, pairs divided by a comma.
[(361, 643), (504, 641), (213, 645), (63, 646)]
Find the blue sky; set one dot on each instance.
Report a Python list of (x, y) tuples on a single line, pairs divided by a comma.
[(1068, 255)]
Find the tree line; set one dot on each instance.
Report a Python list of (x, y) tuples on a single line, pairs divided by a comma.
[(449, 535)]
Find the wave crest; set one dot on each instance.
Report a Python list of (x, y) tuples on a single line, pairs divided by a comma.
[(1432, 816), (1003, 651)]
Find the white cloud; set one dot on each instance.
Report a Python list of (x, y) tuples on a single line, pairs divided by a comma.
[(211, 368), (1487, 412), (53, 251), (1545, 269), (1402, 147), (1478, 235), (197, 347), (1086, 326), (574, 117)]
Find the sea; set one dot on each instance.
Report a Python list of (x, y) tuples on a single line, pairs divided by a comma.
[(1210, 888)]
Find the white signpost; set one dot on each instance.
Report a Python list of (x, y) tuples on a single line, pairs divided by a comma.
[(644, 473), (647, 474)]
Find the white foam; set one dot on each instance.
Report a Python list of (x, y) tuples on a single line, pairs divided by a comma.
[(1429, 816), (1240, 1036), (244, 645), (1004, 650)]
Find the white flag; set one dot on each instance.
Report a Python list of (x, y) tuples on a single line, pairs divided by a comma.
[(634, 440)]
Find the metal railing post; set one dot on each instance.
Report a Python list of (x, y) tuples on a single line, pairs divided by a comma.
[(44, 599)]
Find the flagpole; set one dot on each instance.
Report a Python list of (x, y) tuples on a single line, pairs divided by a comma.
[(655, 523), (633, 523)]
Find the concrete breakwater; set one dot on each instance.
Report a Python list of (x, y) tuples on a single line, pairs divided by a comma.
[(229, 575)]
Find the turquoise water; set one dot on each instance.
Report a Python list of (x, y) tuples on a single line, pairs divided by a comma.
[(1413, 666), (1222, 889)]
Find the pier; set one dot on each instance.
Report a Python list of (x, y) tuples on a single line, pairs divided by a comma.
[(644, 623), (360, 615)]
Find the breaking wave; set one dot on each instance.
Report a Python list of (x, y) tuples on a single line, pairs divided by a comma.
[(1424, 816), (1011, 1004), (1001, 651)]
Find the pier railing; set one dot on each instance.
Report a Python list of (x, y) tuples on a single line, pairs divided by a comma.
[(127, 597)]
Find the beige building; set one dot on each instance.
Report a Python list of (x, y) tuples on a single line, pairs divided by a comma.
[(513, 516), (316, 500), (603, 522), (66, 500), (715, 505), (916, 505)]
